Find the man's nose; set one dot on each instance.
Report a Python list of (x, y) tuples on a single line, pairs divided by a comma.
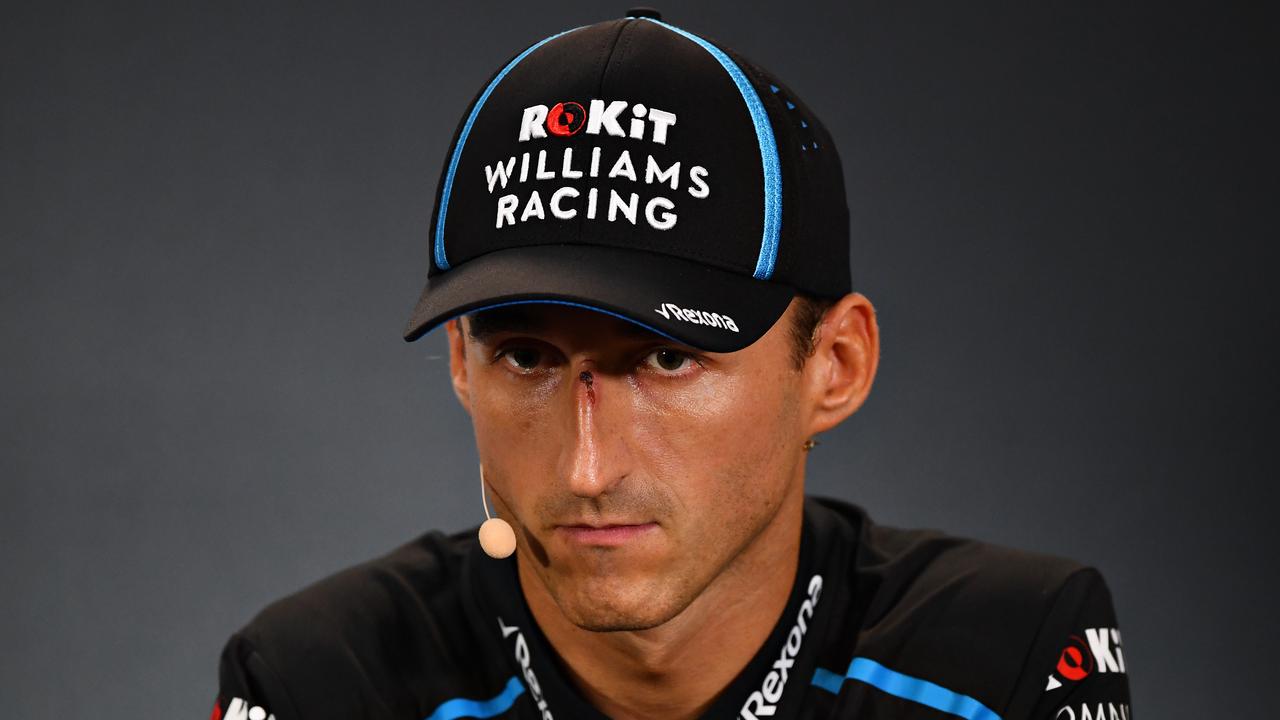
[(596, 453)]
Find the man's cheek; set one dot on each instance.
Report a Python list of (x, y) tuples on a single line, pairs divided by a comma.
[(730, 426), (510, 419)]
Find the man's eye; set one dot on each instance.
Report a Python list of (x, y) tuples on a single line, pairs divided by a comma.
[(668, 360), (522, 359)]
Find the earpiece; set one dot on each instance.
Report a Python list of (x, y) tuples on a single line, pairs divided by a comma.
[(496, 536)]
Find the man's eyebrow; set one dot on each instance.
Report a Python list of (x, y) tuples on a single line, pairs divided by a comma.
[(484, 324)]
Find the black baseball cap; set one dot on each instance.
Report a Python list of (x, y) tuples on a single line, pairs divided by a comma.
[(638, 169)]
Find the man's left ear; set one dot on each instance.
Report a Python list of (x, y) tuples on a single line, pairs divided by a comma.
[(844, 360), (458, 363)]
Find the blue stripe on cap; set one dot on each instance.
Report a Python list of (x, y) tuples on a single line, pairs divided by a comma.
[(768, 152), (906, 687), (442, 262), (464, 708)]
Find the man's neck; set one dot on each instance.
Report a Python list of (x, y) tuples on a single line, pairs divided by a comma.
[(677, 669)]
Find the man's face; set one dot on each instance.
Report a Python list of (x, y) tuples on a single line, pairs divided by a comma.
[(634, 469)]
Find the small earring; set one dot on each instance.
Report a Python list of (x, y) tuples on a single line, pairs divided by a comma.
[(809, 444)]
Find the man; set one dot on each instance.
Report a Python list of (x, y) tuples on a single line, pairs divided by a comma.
[(640, 256)]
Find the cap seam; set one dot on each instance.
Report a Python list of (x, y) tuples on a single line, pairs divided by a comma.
[(613, 50), (604, 70)]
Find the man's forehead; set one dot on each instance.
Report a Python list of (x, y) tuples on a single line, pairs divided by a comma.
[(542, 318)]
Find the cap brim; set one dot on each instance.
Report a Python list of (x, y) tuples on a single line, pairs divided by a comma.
[(694, 304)]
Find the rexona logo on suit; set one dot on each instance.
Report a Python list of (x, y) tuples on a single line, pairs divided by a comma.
[(659, 185), (530, 677), (764, 702)]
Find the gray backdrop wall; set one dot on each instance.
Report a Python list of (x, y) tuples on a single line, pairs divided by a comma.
[(214, 226)]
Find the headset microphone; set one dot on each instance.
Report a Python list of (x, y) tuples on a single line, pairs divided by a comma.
[(496, 536)]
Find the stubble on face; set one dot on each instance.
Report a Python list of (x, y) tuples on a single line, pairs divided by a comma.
[(709, 462), (711, 501)]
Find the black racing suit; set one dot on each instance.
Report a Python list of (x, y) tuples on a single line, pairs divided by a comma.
[(882, 623)]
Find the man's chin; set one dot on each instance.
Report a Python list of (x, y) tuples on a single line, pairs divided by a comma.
[(604, 604), (598, 618)]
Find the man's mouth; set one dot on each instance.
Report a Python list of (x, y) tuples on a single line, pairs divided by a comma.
[(604, 535)]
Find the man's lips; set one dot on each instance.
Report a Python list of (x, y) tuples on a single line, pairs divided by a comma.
[(605, 535)]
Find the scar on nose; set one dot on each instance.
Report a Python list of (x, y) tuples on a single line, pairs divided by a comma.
[(587, 380)]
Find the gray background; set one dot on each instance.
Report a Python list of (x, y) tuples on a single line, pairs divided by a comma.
[(214, 225)]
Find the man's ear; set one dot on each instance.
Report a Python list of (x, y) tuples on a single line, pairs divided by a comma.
[(843, 364), (458, 362)]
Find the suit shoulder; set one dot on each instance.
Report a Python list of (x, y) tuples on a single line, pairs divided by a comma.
[(347, 637), (958, 611), (424, 571), (976, 575), (911, 565)]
